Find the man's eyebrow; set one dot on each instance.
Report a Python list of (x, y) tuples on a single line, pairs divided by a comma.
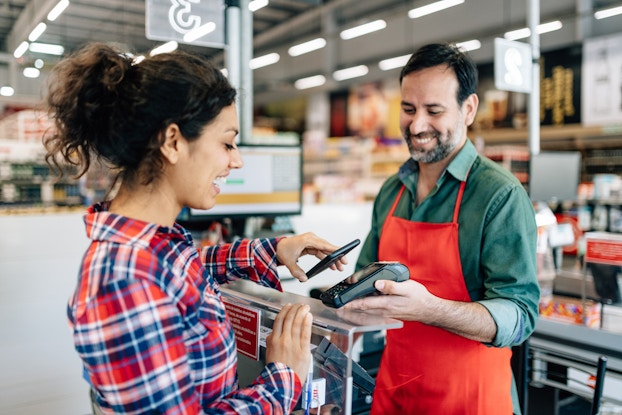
[(430, 105)]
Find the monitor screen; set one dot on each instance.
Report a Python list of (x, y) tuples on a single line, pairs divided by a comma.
[(554, 176), (269, 184)]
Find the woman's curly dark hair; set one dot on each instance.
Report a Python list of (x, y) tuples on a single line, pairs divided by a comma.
[(106, 106)]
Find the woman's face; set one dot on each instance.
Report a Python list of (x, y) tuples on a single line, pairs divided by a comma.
[(208, 161)]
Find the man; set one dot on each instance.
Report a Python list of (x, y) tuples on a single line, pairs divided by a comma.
[(466, 229)]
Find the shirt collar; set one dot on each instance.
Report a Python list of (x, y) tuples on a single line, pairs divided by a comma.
[(459, 167), (102, 225)]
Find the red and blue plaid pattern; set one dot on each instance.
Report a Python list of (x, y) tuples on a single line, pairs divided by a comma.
[(150, 326)]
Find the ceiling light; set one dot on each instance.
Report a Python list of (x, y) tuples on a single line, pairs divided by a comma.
[(469, 45), (265, 60), (255, 5), (31, 72), (39, 63), (310, 82), (307, 47), (540, 29), (392, 63), (199, 32), (602, 14), (349, 73), (47, 48), (363, 29), (433, 8), (7, 91), (548, 27), (20, 50), (37, 31), (57, 10), (164, 48)]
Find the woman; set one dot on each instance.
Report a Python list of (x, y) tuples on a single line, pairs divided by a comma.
[(147, 315)]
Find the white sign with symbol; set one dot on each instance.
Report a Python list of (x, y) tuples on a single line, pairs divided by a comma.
[(512, 65), (196, 22)]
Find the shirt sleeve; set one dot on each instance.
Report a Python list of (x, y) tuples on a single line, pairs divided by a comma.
[(251, 259), (132, 343), (511, 288)]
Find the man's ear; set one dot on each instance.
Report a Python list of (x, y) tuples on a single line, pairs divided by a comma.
[(469, 108), (172, 143)]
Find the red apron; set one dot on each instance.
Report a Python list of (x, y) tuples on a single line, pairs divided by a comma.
[(425, 369)]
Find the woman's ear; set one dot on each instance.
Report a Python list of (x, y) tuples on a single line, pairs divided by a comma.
[(172, 143)]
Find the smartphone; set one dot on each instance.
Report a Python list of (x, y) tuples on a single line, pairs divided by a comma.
[(331, 258), (361, 283)]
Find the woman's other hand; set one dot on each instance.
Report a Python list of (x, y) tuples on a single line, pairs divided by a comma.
[(290, 340)]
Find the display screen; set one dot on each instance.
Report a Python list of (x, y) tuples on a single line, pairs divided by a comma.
[(269, 184), (362, 273), (554, 176)]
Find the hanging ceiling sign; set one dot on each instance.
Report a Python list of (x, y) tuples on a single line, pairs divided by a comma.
[(513, 66), (195, 22)]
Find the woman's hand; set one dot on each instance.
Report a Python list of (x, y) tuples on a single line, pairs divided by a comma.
[(290, 340), (291, 248)]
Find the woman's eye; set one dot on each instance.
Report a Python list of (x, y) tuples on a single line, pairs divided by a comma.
[(230, 147)]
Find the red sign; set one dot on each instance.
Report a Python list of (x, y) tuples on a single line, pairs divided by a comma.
[(245, 321), (604, 251)]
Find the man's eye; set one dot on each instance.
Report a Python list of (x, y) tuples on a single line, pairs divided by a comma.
[(230, 147)]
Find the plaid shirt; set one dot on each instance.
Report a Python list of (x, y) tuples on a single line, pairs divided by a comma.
[(150, 326)]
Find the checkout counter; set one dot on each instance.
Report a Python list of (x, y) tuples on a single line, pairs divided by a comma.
[(340, 385)]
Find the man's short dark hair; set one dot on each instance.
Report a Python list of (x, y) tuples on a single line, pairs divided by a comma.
[(448, 54)]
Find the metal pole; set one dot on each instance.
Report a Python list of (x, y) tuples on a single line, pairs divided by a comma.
[(533, 8), (232, 48), (246, 79)]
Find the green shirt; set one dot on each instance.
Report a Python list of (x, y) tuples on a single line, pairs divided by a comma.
[(497, 235)]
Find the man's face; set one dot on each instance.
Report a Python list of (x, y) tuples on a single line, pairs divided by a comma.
[(432, 123)]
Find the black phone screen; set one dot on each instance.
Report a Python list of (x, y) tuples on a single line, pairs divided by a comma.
[(331, 258)]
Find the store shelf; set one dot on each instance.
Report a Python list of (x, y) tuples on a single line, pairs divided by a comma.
[(562, 137)]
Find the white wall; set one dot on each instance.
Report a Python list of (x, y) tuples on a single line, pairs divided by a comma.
[(39, 370)]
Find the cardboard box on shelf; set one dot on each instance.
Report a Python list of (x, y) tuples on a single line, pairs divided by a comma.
[(571, 310)]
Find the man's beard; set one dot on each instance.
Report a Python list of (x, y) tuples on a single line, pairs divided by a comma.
[(442, 150)]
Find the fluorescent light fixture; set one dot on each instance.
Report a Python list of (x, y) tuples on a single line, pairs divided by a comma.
[(363, 29), (307, 47), (540, 29), (37, 31), (199, 32), (57, 10), (469, 45), (548, 27), (47, 48), (392, 63), (164, 48), (7, 91), (31, 72), (20, 50), (310, 82), (517, 34), (349, 73), (433, 8), (265, 60), (255, 5), (613, 11)]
